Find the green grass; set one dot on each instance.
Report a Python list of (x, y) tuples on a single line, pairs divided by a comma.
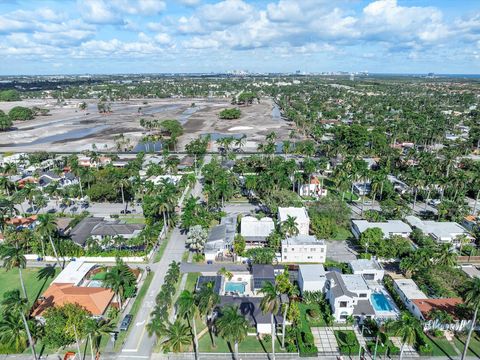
[(10, 280), (185, 256), (441, 346), (161, 249), (134, 310), (306, 320), (133, 219), (191, 281), (251, 344), (343, 234), (474, 346)]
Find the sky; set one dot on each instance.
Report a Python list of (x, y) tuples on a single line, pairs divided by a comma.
[(173, 36)]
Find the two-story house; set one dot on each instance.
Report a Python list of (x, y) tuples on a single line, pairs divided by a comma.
[(303, 249)]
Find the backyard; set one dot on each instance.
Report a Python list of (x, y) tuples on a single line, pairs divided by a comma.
[(251, 344)]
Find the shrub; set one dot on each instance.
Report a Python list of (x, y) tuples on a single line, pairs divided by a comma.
[(347, 342), (230, 114), (20, 113)]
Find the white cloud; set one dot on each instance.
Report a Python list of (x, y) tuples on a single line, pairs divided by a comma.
[(189, 2), (227, 12)]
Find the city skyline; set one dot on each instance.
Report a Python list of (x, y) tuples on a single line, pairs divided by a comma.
[(194, 36)]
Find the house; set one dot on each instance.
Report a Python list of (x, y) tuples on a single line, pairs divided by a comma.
[(471, 270), (441, 232), (48, 177), (348, 295), (423, 309), (303, 249), (369, 269), (98, 228), (260, 275), (398, 185), (408, 290), (255, 231), (250, 308), (161, 179), (301, 218), (87, 161), (74, 285), (22, 222), (389, 228), (63, 225), (68, 179), (471, 223), (362, 188), (186, 162), (311, 277), (220, 239), (313, 188)]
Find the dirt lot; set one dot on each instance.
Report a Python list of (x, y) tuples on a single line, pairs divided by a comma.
[(67, 128)]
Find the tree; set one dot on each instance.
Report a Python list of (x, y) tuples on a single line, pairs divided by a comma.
[(17, 305), (446, 255), (225, 273), (270, 304), (196, 238), (405, 328), (239, 244), (176, 336), (95, 330), (230, 114), (46, 228), (13, 256), (207, 300), (289, 226), (5, 121), (121, 280), (232, 326), (370, 237), (188, 309), (472, 298), (20, 113)]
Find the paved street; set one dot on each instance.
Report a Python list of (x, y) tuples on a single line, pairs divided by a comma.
[(210, 268)]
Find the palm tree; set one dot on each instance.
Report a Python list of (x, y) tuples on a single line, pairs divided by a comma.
[(472, 298), (224, 272), (156, 326), (12, 332), (446, 255), (16, 304), (405, 328), (46, 228), (270, 304), (289, 226), (95, 330), (187, 308), (14, 257), (232, 326), (207, 300), (177, 335), (119, 278)]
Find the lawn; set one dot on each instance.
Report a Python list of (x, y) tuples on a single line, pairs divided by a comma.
[(343, 234), (191, 281), (251, 344), (161, 248), (441, 347), (35, 287), (133, 219), (474, 346), (313, 308)]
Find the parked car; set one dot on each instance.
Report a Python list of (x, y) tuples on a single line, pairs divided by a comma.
[(126, 322), (434, 202), (125, 212)]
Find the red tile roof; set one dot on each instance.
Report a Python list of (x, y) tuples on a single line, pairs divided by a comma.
[(445, 304)]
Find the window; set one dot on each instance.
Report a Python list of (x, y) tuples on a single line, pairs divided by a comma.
[(285, 249), (343, 304), (293, 249), (363, 295), (321, 250), (285, 258), (312, 249)]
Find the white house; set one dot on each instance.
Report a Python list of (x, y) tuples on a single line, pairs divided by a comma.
[(389, 228), (301, 218), (348, 295), (255, 231), (441, 232), (160, 179), (408, 290), (369, 269), (362, 188), (303, 249), (311, 277), (313, 188)]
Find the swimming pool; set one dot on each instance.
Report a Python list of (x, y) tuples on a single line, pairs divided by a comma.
[(95, 283), (380, 302), (238, 287)]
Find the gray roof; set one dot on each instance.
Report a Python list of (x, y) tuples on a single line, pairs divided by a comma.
[(363, 307), (339, 288), (217, 233), (230, 223), (82, 231), (250, 308), (436, 228), (115, 228), (302, 240), (364, 265)]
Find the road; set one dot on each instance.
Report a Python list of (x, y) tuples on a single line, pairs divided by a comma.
[(96, 209), (138, 344)]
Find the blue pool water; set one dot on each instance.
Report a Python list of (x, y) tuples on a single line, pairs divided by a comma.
[(380, 302), (235, 287)]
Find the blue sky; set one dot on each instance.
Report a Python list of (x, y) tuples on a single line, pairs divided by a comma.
[(142, 36)]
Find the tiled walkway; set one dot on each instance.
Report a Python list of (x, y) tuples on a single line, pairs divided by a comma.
[(325, 340)]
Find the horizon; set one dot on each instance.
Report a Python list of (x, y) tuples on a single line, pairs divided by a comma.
[(202, 36)]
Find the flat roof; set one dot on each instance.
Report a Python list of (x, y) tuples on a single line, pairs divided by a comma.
[(73, 273), (300, 213), (355, 282), (253, 227), (471, 271), (437, 228), (364, 265), (302, 240), (312, 272), (410, 289), (390, 226)]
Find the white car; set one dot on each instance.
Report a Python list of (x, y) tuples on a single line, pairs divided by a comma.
[(434, 202)]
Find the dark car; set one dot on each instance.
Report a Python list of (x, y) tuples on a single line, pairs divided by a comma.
[(125, 212), (126, 322)]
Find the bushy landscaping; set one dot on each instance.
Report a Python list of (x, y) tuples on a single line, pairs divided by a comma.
[(230, 114), (347, 342)]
